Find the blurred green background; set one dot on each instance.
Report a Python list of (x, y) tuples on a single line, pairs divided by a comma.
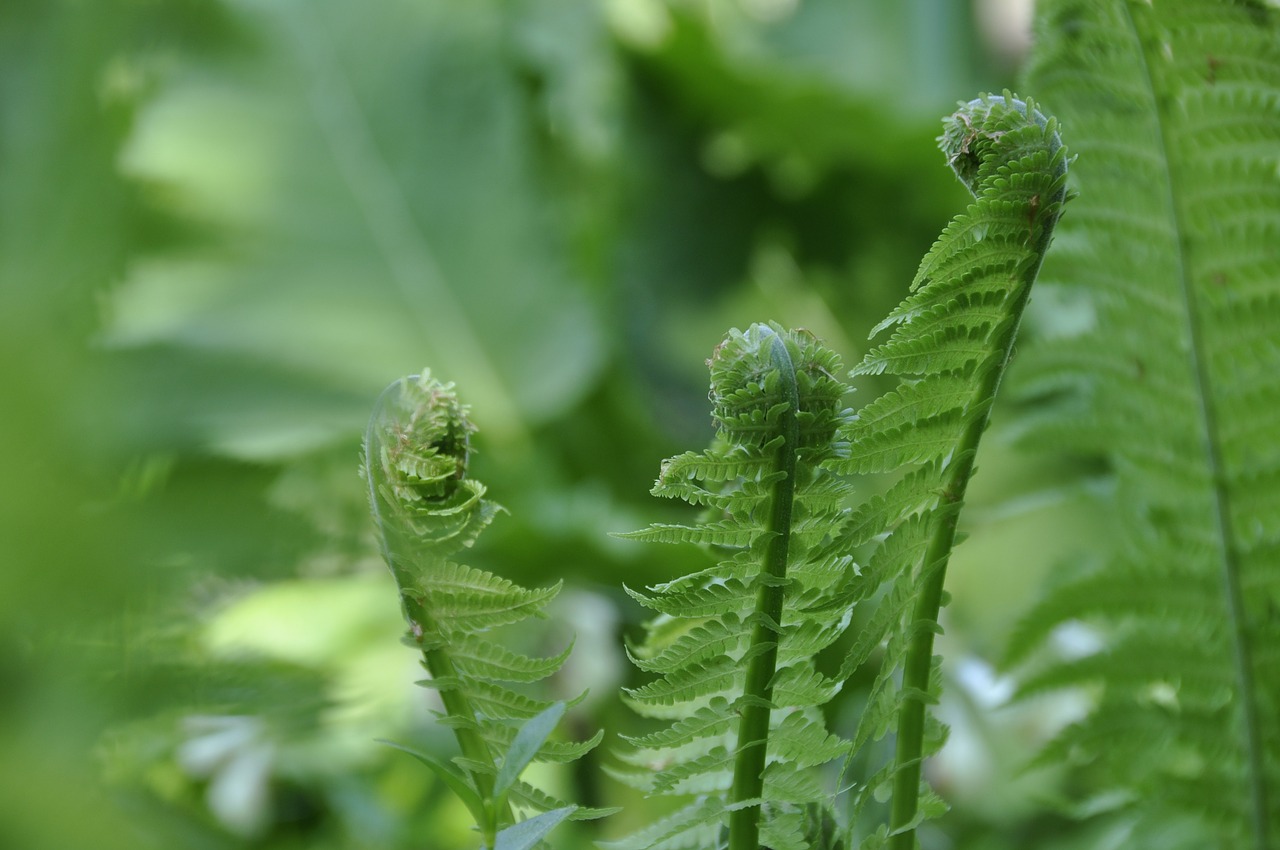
[(225, 226)]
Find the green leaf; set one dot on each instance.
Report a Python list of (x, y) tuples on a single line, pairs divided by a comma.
[(532, 735), (696, 826), (348, 241), (461, 788), (526, 834), (952, 341), (1173, 382), (417, 449)]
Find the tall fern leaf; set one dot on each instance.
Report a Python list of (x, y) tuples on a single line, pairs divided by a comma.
[(1175, 250), (952, 339), (735, 646), (426, 510)]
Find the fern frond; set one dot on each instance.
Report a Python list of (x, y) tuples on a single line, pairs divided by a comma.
[(801, 738), (951, 341), (703, 642), (685, 685), (714, 466), (735, 645), (484, 659), (1177, 384), (887, 510), (920, 441), (426, 510)]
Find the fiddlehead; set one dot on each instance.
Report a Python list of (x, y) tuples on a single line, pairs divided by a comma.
[(951, 343), (426, 509), (735, 643)]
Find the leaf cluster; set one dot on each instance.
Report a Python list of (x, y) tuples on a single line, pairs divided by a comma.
[(775, 490)]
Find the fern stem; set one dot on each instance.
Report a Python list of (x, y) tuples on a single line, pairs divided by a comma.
[(1241, 644), (441, 668), (919, 660), (918, 664), (756, 702), (440, 665)]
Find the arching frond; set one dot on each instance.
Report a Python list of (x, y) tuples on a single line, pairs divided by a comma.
[(951, 341)]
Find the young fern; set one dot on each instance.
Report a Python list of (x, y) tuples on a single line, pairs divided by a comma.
[(951, 343), (735, 643), (1176, 383), (426, 509)]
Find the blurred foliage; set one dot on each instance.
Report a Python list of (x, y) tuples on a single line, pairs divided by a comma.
[(225, 225)]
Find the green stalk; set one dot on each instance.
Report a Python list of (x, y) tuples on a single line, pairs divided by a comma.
[(456, 704), (753, 727), (919, 659), (440, 666)]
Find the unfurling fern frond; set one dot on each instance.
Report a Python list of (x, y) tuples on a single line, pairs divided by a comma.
[(1175, 251), (426, 510), (735, 644), (952, 339)]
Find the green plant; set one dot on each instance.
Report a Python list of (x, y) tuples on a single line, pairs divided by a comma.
[(952, 343), (558, 204), (1171, 381), (427, 509), (1175, 381), (735, 643)]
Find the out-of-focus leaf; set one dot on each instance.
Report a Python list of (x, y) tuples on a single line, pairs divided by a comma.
[(376, 211), (532, 735), (459, 786), (526, 834)]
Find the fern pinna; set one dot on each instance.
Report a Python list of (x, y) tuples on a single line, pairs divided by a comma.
[(1174, 252), (734, 644), (426, 510), (951, 343)]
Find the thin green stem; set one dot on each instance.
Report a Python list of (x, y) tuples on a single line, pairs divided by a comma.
[(919, 661), (756, 702), (918, 665), (440, 665)]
